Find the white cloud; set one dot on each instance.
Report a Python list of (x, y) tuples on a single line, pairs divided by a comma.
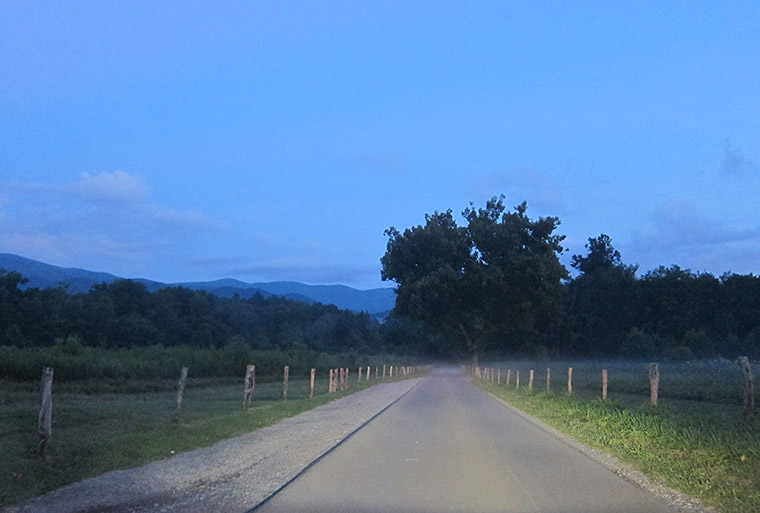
[(117, 188), (110, 217)]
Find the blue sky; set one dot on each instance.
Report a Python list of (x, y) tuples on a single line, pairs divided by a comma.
[(272, 141)]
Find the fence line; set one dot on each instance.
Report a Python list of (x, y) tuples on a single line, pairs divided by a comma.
[(180, 392), (654, 383), (250, 385), (749, 388), (45, 417), (494, 374), (45, 414)]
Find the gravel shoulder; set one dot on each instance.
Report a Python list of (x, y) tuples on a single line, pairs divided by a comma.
[(233, 475)]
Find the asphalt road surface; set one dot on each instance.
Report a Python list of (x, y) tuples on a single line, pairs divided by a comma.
[(448, 447)]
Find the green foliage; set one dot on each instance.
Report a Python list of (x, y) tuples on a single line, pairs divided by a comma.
[(669, 312), (705, 449), (599, 307), (73, 361), (493, 287), (122, 330), (494, 283), (639, 344)]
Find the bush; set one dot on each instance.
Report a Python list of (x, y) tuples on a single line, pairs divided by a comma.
[(73, 361), (639, 344), (678, 354)]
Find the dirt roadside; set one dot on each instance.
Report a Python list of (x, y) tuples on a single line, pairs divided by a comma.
[(231, 476)]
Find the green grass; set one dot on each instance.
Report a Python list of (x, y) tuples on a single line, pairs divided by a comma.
[(97, 429), (703, 448)]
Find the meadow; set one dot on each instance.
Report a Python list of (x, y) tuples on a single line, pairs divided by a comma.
[(102, 425), (695, 440)]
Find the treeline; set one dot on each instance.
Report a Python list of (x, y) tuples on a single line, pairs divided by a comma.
[(146, 332), (669, 311), (494, 286)]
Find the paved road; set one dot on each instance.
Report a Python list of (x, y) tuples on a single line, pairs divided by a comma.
[(448, 447)]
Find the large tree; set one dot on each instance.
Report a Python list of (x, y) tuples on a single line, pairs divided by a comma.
[(495, 283), (601, 308)]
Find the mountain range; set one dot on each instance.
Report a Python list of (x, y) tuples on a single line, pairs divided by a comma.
[(377, 302)]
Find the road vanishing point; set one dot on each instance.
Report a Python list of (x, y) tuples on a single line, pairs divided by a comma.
[(446, 446)]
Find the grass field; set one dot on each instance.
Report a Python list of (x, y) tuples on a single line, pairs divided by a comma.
[(102, 426), (696, 440)]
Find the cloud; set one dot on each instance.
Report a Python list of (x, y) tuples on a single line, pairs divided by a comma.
[(683, 235), (106, 216), (112, 188), (736, 163)]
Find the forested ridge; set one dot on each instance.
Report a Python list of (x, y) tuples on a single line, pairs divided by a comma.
[(124, 316), (492, 287)]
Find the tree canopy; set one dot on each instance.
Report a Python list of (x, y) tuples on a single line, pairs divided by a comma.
[(494, 285), (495, 282)]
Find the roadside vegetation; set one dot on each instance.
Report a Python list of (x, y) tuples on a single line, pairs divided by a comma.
[(696, 440), (99, 426)]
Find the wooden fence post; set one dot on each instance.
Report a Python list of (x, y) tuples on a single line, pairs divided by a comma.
[(548, 379), (517, 380), (509, 375), (285, 383), (654, 383), (749, 388), (345, 386), (604, 384), (180, 392), (569, 380), (250, 385), (376, 372), (360, 374), (530, 380), (383, 371), (311, 382), (45, 417), (368, 372), (498, 377)]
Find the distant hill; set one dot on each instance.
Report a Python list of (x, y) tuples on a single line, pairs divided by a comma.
[(377, 302)]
